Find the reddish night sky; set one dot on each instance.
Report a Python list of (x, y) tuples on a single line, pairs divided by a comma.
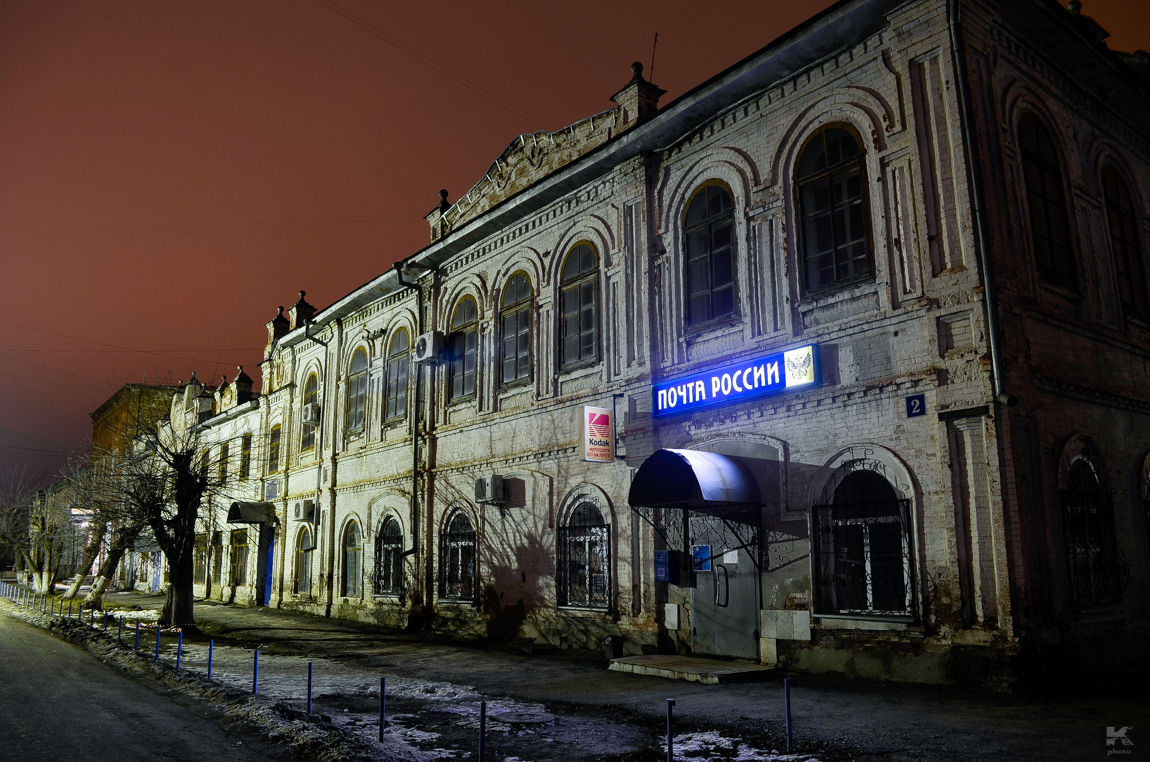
[(173, 171)]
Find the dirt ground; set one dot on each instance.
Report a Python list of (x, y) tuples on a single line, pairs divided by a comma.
[(565, 705)]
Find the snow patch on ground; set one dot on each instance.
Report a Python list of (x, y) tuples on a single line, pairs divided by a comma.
[(713, 746)]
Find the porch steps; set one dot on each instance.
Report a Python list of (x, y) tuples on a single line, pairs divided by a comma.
[(690, 668)]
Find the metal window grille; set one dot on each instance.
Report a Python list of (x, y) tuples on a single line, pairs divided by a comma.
[(457, 561), (389, 559), (584, 577), (1097, 570), (863, 558)]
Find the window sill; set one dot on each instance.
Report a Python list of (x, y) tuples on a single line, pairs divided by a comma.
[(1069, 291), (714, 329), (385, 596), (579, 369), (861, 622), (585, 611), (841, 292), (457, 601)]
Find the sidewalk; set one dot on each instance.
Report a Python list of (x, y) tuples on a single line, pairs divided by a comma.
[(603, 714)]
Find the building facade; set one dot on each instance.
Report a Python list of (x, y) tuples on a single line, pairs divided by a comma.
[(838, 360)]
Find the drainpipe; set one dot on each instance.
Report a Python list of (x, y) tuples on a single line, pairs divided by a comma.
[(319, 465), (415, 415), (978, 204)]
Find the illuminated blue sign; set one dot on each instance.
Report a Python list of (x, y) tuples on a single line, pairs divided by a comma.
[(786, 371)]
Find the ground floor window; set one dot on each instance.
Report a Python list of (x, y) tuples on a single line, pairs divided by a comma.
[(584, 563), (1095, 565), (862, 554), (217, 557), (239, 558), (389, 559), (302, 583), (352, 561), (200, 560), (457, 560)]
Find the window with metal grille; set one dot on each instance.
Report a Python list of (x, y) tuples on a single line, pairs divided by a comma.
[(217, 557), (835, 228), (389, 559), (274, 449), (351, 584), (301, 584), (580, 295), (1124, 242), (862, 550), (239, 558), (463, 344), (1046, 200), (457, 560), (584, 563), (357, 390), (708, 229), (1094, 563), (200, 560), (395, 406), (515, 318), (310, 397), (245, 456)]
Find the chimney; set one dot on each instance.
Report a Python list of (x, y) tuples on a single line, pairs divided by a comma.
[(243, 384), (638, 100), (277, 328), (300, 312)]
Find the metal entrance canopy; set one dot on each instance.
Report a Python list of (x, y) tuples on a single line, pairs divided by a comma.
[(694, 480), (251, 513)]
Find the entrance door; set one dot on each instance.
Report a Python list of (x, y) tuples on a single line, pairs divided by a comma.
[(725, 599), (264, 572)]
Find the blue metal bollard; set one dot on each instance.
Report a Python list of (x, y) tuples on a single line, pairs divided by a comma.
[(383, 706), (158, 629), (211, 647), (309, 688), (179, 650), (137, 633), (482, 731), (670, 732), (787, 697), (256, 673)]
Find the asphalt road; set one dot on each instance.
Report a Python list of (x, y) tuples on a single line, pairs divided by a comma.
[(57, 702)]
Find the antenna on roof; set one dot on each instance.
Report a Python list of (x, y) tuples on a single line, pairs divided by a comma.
[(653, 46)]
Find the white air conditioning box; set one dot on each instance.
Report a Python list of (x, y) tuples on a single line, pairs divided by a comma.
[(489, 489), (303, 510), (311, 415), (428, 347)]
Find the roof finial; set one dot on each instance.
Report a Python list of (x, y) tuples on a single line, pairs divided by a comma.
[(1074, 7)]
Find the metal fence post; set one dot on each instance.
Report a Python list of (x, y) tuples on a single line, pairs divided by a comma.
[(670, 732), (382, 706), (211, 648), (179, 650), (158, 630), (309, 688), (787, 698), (482, 731), (256, 672), (137, 633)]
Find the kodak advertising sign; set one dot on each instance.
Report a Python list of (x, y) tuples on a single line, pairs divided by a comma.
[(787, 371), (598, 435)]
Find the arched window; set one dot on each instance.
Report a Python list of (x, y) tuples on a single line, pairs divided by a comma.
[(395, 406), (457, 560), (351, 586), (1049, 229), (274, 449), (357, 390), (515, 317), (463, 346), (835, 230), (580, 290), (1096, 568), (710, 255), (310, 397), (863, 549), (584, 577), (389, 558), (301, 584), (1128, 265)]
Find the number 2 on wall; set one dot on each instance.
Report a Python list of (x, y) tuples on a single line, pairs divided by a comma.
[(916, 405)]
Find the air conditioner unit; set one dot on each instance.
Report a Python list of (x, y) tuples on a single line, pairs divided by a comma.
[(428, 347), (311, 415), (303, 510), (489, 489)]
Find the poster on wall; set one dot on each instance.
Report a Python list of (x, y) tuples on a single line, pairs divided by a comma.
[(598, 435)]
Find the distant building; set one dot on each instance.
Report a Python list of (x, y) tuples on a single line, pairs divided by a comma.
[(863, 323)]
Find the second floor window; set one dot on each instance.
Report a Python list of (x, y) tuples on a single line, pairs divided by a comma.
[(395, 406), (224, 448), (515, 317), (463, 345), (835, 233), (357, 390), (310, 397), (274, 449), (1128, 266), (580, 294), (709, 233), (1046, 199), (245, 456)]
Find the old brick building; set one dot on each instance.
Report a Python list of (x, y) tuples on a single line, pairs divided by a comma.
[(863, 324)]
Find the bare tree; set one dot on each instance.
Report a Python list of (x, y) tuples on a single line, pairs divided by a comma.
[(34, 527)]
